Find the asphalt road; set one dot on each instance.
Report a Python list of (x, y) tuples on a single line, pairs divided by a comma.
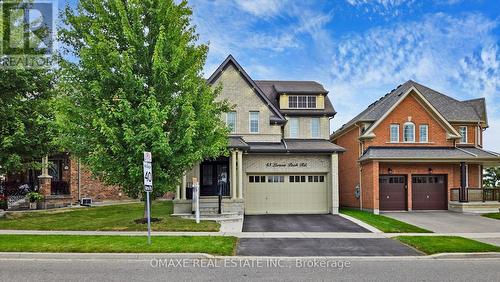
[(249, 269)]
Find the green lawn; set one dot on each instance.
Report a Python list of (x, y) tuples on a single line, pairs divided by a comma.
[(216, 245), (495, 215), (383, 223), (106, 218), (446, 244)]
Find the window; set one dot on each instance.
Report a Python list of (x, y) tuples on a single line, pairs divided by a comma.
[(424, 133), (294, 128), (463, 132), (254, 122), (275, 178), (302, 102), (256, 179), (231, 121), (316, 178), (395, 133), (292, 102), (409, 132), (311, 102), (315, 129), (297, 178)]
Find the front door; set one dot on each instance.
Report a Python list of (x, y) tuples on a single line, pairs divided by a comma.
[(214, 176), (392, 192)]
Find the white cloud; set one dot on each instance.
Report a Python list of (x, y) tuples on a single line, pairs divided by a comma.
[(383, 7), (455, 55), (261, 8)]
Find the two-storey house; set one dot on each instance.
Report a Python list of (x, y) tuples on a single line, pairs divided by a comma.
[(280, 160), (413, 149)]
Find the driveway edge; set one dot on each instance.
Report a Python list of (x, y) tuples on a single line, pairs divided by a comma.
[(361, 223)]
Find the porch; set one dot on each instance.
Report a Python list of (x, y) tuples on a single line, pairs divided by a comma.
[(476, 200), (220, 179)]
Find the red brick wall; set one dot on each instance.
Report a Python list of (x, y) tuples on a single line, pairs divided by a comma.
[(369, 185), (91, 187), (348, 167), (409, 110), (471, 132)]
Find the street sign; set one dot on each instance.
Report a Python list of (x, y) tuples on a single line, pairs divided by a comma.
[(148, 186), (148, 174), (148, 157)]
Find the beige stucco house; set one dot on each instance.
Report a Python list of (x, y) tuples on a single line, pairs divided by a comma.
[(281, 160)]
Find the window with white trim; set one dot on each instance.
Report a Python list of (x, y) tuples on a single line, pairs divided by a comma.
[(231, 121), (463, 132), (254, 122), (315, 127), (301, 102), (394, 133), (424, 133), (294, 127), (409, 132)]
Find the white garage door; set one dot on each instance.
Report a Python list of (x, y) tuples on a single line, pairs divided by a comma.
[(286, 194)]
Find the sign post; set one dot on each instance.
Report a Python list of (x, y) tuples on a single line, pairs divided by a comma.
[(148, 187), (196, 198)]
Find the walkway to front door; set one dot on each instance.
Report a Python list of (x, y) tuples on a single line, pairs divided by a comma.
[(299, 223)]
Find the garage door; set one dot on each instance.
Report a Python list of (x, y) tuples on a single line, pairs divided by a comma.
[(429, 192), (286, 194), (392, 192)]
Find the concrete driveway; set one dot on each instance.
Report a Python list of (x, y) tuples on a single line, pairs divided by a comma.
[(448, 222), (299, 223)]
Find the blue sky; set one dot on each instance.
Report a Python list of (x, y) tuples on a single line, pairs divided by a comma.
[(361, 49)]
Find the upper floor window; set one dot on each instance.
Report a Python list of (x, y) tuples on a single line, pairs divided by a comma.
[(463, 132), (409, 132), (294, 128), (315, 128), (302, 102), (424, 133), (395, 133), (231, 121), (254, 122)]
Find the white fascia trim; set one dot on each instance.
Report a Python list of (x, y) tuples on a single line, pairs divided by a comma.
[(369, 133)]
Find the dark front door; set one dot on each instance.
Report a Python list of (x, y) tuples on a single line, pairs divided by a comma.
[(214, 176), (392, 192), (429, 192)]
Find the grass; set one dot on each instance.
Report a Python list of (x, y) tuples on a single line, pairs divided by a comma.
[(117, 244), (383, 223), (495, 215), (446, 244), (105, 218)]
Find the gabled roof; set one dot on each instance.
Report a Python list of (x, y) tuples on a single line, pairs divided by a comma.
[(279, 118), (273, 88), (451, 109)]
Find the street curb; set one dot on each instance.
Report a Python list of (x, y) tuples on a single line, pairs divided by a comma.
[(158, 256), (361, 223)]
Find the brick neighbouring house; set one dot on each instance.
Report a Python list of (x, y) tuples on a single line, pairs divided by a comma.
[(416, 149), (64, 183)]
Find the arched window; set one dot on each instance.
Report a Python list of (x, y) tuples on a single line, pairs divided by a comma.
[(409, 132)]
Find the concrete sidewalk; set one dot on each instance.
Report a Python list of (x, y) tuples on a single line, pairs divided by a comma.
[(495, 235)]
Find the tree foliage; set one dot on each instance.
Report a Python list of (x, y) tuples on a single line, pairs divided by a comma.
[(137, 86), (491, 177)]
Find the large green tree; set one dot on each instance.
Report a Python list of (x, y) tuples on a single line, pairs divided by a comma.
[(26, 114), (136, 85), (491, 177)]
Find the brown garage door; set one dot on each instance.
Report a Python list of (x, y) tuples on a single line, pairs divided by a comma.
[(429, 192), (392, 192)]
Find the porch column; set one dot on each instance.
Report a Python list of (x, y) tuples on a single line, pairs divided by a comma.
[(462, 195), (45, 179), (177, 192), (335, 183), (240, 174), (233, 181), (183, 186)]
